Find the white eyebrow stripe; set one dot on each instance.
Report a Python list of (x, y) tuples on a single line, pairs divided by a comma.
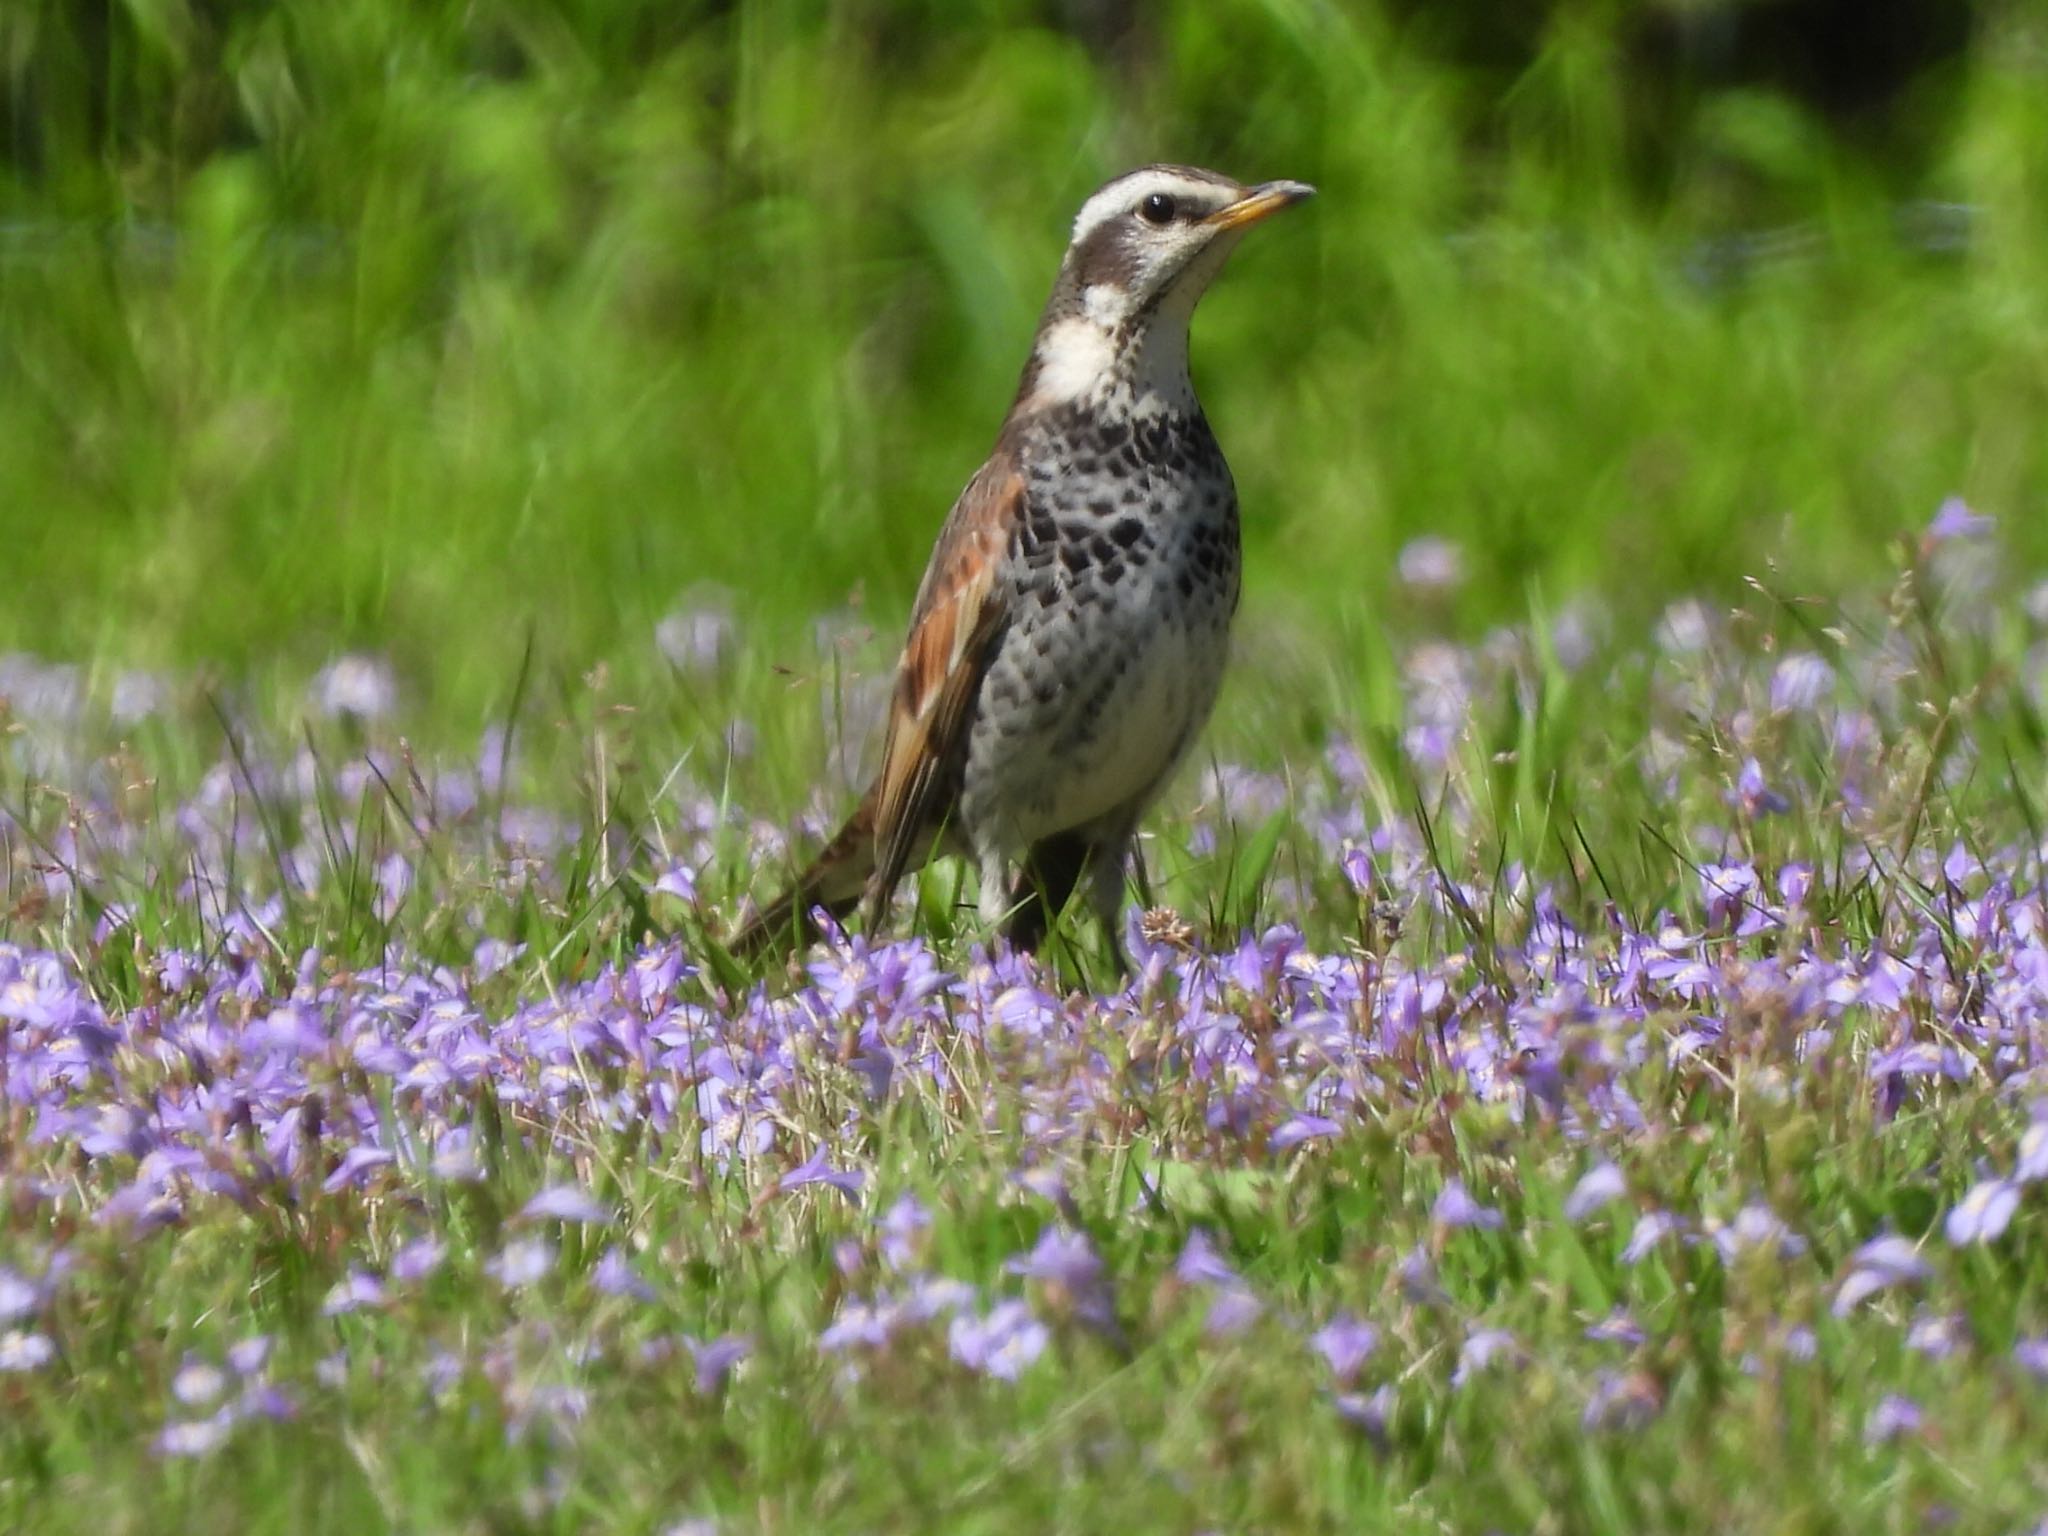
[(1126, 192)]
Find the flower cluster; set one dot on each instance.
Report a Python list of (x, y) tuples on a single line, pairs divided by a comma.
[(386, 1000)]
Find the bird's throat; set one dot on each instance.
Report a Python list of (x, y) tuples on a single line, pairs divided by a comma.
[(1080, 360)]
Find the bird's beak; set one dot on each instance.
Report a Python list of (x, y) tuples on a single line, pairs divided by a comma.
[(1265, 199)]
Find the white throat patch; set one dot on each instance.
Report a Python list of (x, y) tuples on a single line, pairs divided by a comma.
[(1105, 304), (1074, 357), (1078, 359)]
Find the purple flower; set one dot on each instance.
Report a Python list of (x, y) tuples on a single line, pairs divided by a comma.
[(1599, 1185), (492, 956), (1576, 633), (394, 884), (456, 1161), (1955, 520), (522, 1262), (260, 1400), (138, 695), (1753, 796), (1794, 882), (194, 1437), (1651, 1228), (1002, 1345), (1357, 866), (1984, 1213), (816, 1169), (930, 1296), (247, 1070), (112, 920), (358, 1289), (903, 1227), (544, 1404), (2031, 1356), (19, 1296), (1622, 1401), (1894, 1257), (1430, 564), (1456, 1208), (1345, 1343), (1232, 1310), (678, 880), (1616, 1328), (857, 1325), (1299, 1128), (356, 1164), (198, 1383), (417, 1259), (1892, 1417), (1482, 1347), (1756, 1229), (1200, 1264), (716, 1359), (654, 975), (1801, 681), (175, 971), (1063, 1258), (1686, 628), (1419, 1284), (1937, 1335), (1878, 1265), (565, 1202), (694, 638), (1048, 1186), (362, 686), (247, 1357), (613, 1275), (2031, 1166), (1369, 1412), (21, 1351), (1065, 1262)]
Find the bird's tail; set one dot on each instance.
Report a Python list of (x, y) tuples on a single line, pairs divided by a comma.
[(834, 880)]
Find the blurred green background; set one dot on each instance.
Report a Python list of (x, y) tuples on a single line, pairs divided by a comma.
[(418, 325)]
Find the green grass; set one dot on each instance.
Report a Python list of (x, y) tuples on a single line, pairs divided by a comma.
[(1172, 1430), (417, 328), (487, 335)]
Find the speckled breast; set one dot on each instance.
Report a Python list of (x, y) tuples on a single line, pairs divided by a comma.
[(1123, 579)]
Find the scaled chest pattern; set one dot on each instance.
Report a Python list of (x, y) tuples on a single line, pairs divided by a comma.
[(1122, 579)]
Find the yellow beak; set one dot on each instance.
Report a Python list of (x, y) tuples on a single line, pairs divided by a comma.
[(1260, 202)]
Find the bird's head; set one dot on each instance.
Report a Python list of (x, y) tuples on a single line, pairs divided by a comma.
[(1144, 248)]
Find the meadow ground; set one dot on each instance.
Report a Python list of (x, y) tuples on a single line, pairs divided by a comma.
[(1583, 1070)]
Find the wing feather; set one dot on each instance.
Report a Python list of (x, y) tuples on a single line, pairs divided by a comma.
[(958, 617)]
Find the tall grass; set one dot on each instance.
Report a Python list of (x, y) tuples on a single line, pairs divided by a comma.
[(423, 327), (1622, 1044)]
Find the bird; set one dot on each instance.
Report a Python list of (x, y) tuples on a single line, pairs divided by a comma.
[(1069, 637)]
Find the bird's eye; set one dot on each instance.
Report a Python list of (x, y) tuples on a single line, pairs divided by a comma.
[(1157, 209)]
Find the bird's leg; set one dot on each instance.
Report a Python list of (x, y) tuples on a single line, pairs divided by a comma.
[(994, 902), (1106, 895), (1051, 870)]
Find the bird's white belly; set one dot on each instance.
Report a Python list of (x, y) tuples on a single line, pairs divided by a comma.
[(1103, 724), (1158, 702)]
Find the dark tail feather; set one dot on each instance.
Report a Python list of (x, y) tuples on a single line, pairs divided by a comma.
[(834, 880)]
